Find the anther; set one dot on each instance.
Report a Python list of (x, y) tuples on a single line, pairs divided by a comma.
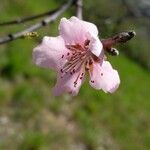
[(73, 70), (61, 70), (87, 42), (90, 62), (75, 83), (92, 81)]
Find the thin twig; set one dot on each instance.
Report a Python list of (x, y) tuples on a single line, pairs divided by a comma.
[(29, 18), (118, 38), (79, 5), (34, 27), (122, 37)]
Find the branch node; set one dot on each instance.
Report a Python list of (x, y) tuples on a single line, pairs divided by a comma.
[(11, 36), (44, 23), (53, 15)]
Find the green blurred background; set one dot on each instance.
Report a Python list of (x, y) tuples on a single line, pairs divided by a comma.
[(31, 118)]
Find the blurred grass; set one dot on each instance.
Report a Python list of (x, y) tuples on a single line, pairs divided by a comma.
[(31, 118)]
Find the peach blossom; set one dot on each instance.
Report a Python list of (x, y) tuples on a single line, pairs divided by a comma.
[(75, 52)]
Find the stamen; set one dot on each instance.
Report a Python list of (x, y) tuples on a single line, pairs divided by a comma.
[(75, 82), (71, 65), (79, 58), (90, 62), (73, 70), (75, 63), (86, 43), (87, 67), (92, 81), (75, 48), (61, 70)]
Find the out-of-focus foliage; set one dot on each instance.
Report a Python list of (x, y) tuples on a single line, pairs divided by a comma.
[(31, 118)]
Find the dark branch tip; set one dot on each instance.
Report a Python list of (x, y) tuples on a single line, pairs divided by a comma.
[(132, 33), (125, 36)]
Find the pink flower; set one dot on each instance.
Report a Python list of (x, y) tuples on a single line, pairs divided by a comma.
[(75, 52)]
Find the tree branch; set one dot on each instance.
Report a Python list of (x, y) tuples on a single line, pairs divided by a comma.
[(79, 5), (119, 38), (29, 18), (34, 27)]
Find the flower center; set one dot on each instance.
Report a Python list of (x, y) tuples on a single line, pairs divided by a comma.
[(80, 59)]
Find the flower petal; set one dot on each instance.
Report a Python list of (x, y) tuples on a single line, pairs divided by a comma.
[(66, 84), (96, 46), (75, 31), (90, 27), (104, 77), (50, 53)]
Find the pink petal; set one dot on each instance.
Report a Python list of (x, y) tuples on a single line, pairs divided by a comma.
[(50, 52), (75, 31), (104, 77), (66, 84), (96, 46)]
